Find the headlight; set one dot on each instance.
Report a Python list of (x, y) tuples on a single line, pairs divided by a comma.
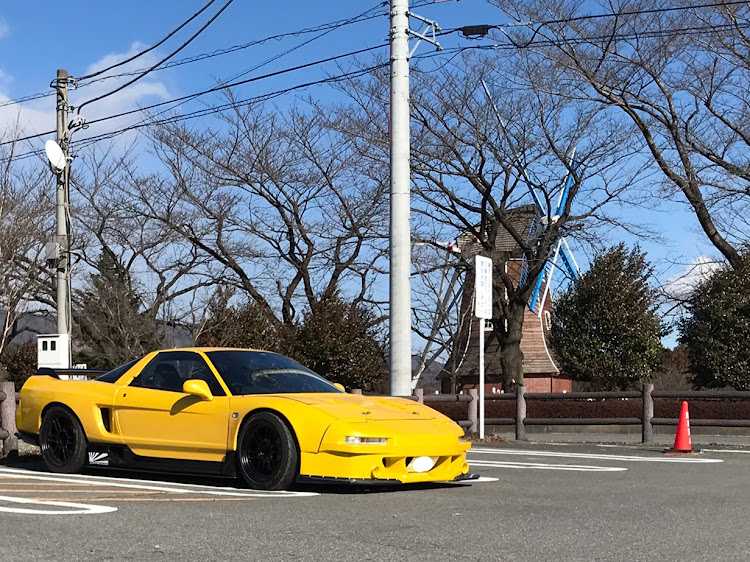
[(355, 440)]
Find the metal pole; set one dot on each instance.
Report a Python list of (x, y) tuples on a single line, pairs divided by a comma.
[(62, 212), (481, 378), (400, 237)]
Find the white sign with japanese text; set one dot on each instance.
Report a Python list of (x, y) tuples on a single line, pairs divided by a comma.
[(483, 287)]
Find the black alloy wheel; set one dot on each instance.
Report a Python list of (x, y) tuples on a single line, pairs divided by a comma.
[(62, 441), (267, 454)]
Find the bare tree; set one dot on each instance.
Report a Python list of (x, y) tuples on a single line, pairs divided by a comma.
[(274, 198), (25, 210), (470, 172), (137, 280), (437, 315), (680, 74)]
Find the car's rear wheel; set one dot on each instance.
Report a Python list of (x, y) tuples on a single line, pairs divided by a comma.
[(267, 456), (62, 441)]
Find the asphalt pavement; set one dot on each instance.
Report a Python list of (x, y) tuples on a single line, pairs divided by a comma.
[(536, 501)]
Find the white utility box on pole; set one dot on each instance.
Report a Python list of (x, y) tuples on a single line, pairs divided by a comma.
[(53, 351), (483, 311)]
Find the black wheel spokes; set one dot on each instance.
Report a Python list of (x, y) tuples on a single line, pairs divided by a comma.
[(61, 440), (262, 457)]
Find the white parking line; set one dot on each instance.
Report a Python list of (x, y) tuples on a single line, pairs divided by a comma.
[(149, 485), (76, 508), (542, 466), (593, 456)]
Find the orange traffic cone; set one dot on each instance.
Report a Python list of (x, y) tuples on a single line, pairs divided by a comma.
[(682, 443)]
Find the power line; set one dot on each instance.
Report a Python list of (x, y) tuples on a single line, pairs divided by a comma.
[(152, 47), (228, 105), (239, 83), (496, 47), (169, 56), (219, 52), (693, 30), (330, 26), (211, 90), (337, 24), (484, 28)]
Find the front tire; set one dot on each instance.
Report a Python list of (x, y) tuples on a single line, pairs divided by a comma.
[(267, 455), (62, 441)]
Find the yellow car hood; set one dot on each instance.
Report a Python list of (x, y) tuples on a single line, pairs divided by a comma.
[(361, 408)]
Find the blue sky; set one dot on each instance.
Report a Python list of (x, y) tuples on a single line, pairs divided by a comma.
[(38, 37)]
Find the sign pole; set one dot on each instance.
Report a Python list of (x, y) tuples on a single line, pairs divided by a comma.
[(483, 311), (481, 378)]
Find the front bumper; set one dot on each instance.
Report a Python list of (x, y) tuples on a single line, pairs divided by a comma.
[(368, 481), (390, 461)]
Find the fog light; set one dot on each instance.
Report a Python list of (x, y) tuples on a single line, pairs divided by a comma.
[(355, 440), (421, 464)]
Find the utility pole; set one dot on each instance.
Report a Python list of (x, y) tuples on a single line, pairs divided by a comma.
[(400, 230), (64, 323)]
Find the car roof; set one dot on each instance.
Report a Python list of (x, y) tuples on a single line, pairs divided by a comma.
[(207, 349)]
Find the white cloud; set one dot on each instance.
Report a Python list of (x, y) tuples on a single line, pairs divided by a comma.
[(681, 285), (4, 29)]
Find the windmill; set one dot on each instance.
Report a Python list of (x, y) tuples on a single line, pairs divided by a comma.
[(561, 249)]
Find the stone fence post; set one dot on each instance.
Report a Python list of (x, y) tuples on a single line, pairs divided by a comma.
[(648, 413), (520, 413), (473, 409), (8, 418)]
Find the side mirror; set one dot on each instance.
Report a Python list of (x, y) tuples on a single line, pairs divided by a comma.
[(339, 386), (197, 388)]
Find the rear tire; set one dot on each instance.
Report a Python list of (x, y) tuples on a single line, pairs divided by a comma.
[(62, 441), (267, 455)]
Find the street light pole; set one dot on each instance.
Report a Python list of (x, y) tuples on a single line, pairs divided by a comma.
[(400, 230), (64, 323)]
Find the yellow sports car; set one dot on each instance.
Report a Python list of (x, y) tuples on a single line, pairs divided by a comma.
[(236, 412)]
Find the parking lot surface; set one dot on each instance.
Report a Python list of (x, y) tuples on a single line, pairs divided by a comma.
[(534, 502)]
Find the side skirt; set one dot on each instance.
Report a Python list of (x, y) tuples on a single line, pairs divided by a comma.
[(30, 438), (120, 456)]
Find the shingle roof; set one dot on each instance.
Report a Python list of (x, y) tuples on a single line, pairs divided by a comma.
[(521, 218)]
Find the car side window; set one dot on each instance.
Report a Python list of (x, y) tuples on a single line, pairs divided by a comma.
[(169, 370)]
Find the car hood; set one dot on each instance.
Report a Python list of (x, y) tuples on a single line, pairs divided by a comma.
[(360, 408)]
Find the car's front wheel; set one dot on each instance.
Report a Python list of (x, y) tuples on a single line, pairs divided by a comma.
[(62, 441), (267, 456)]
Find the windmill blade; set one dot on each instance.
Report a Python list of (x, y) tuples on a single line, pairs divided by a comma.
[(552, 264), (571, 265), (519, 163), (566, 188), (537, 289)]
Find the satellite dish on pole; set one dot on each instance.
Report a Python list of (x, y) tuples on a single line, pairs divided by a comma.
[(55, 155)]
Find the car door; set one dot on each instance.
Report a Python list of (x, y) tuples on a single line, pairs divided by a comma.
[(157, 419)]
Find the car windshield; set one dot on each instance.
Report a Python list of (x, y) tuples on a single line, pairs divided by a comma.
[(115, 374), (260, 372)]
